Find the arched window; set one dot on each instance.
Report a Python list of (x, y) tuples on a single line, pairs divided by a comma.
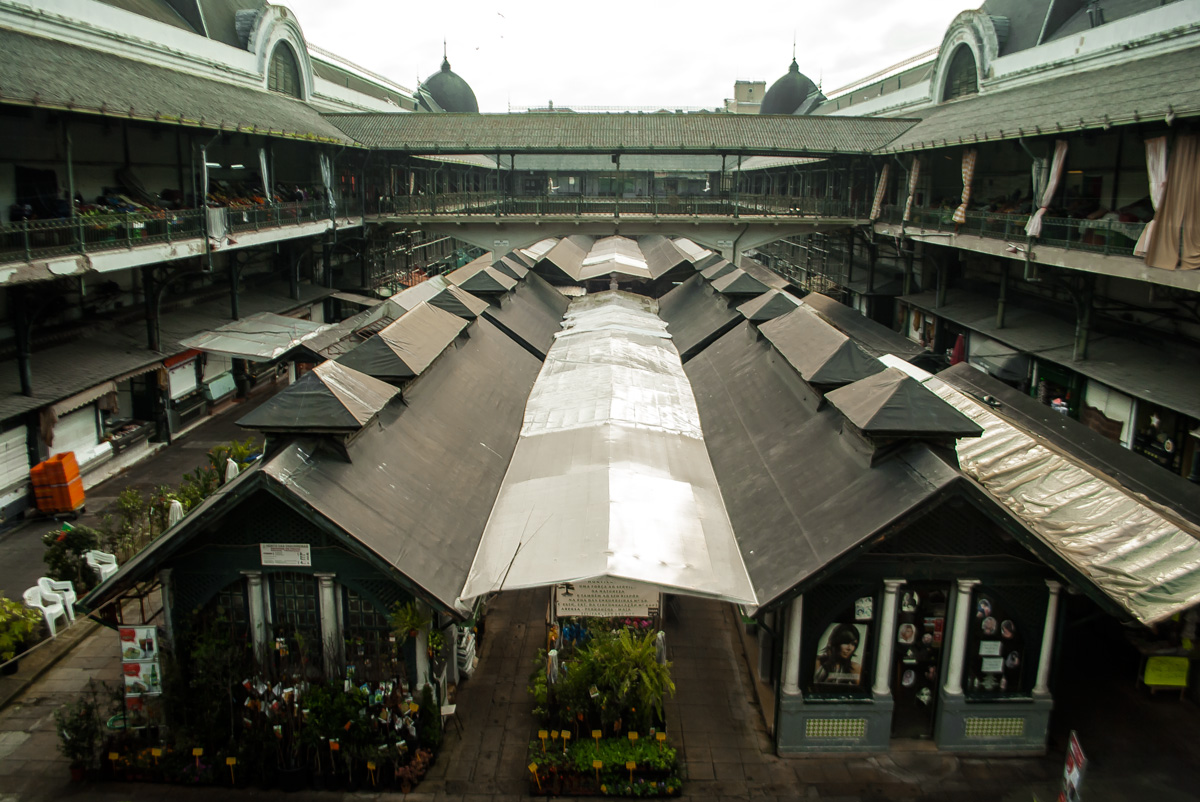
[(283, 74), (961, 77)]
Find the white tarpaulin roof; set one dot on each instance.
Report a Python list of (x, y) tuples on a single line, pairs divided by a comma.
[(259, 338), (610, 476), (1136, 553)]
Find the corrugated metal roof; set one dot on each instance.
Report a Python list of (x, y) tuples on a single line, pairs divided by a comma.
[(1133, 91), (625, 133), (53, 74)]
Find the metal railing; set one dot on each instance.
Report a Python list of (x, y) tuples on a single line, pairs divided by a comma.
[(26, 241), (1094, 236), (469, 204)]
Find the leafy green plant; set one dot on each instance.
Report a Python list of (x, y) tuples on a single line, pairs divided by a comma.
[(79, 730), (64, 556), (18, 623), (407, 620)]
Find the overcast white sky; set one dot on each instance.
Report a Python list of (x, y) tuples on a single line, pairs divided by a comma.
[(661, 53)]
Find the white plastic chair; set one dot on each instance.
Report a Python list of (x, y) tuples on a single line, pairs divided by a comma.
[(103, 563), (51, 608), (65, 592)]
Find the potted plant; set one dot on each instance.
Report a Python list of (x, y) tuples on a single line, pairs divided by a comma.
[(408, 620), (78, 725), (18, 623)]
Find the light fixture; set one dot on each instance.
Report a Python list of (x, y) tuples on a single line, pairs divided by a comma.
[(237, 167), (212, 164)]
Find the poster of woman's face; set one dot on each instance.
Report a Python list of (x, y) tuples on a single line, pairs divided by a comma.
[(907, 633), (840, 658), (984, 609), (1007, 629), (989, 626)]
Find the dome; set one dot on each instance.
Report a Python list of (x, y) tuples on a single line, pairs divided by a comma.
[(446, 91), (789, 93)]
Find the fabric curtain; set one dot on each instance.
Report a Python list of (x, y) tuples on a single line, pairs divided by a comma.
[(327, 180), (1156, 168), (1176, 241), (266, 178), (880, 190), (913, 176), (1034, 227), (968, 177)]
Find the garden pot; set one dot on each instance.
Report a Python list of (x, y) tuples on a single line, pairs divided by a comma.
[(292, 780), (78, 774)]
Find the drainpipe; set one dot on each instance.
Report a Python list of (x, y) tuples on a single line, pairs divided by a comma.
[(23, 328), (1083, 318)]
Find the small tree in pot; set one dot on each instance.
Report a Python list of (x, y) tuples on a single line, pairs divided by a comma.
[(78, 725)]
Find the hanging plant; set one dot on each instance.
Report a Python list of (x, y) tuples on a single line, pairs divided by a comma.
[(408, 620)]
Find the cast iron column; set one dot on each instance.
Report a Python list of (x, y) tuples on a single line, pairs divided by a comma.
[(258, 623), (791, 649), (958, 638), (887, 623), (1041, 686), (331, 627)]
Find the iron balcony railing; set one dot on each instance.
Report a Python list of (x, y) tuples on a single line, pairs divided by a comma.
[(26, 241), (1094, 236), (467, 204)]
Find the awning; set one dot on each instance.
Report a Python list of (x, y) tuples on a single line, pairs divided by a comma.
[(1136, 553), (82, 399), (997, 359), (610, 477), (259, 338)]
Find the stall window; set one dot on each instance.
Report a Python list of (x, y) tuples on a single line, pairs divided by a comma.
[(839, 661), (997, 663)]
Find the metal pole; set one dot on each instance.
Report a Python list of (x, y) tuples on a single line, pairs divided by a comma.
[(23, 328), (150, 303), (1002, 301)]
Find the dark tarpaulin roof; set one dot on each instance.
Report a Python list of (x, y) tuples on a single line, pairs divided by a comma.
[(794, 514), (874, 338), (329, 398), (479, 276), (405, 348), (716, 268), (511, 265), (567, 257), (343, 337), (1121, 94), (739, 282), (768, 306), (708, 261), (764, 274), (695, 316), (894, 403), (663, 256), (531, 314), (53, 74), (420, 486), (821, 354), (439, 292), (623, 133)]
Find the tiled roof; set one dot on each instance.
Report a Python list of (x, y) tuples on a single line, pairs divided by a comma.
[(53, 74), (625, 133), (1135, 91)]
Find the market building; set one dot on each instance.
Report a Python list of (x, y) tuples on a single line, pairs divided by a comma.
[(910, 541)]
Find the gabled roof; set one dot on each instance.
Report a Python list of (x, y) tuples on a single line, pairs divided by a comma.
[(872, 337), (768, 306), (511, 265), (260, 337), (716, 267), (565, 258), (531, 314), (615, 254), (764, 274), (708, 260), (478, 276), (439, 292), (693, 251), (1121, 94), (48, 73), (330, 398), (623, 133), (695, 316), (739, 282), (892, 403), (404, 349), (821, 354), (344, 336), (663, 255)]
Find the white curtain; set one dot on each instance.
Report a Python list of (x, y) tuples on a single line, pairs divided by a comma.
[(1156, 167), (1034, 227), (913, 176), (968, 178), (266, 178), (880, 190), (327, 179)]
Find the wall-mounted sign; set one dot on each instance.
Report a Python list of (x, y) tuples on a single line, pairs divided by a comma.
[(606, 598), (292, 554)]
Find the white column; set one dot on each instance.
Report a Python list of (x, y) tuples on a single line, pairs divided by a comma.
[(331, 626), (887, 638), (1041, 686), (791, 648), (258, 621), (422, 645), (958, 638)]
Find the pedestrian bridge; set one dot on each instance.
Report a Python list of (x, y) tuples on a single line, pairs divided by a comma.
[(730, 225)]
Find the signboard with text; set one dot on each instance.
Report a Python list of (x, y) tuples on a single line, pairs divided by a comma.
[(289, 554), (606, 598)]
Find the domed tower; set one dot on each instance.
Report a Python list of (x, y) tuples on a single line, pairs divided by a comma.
[(791, 94), (446, 91)]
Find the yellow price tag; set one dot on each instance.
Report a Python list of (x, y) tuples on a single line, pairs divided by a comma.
[(113, 756), (566, 736), (662, 736), (633, 736), (631, 765), (197, 751), (413, 707), (597, 734), (156, 752), (370, 766), (231, 761), (553, 735), (533, 767)]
